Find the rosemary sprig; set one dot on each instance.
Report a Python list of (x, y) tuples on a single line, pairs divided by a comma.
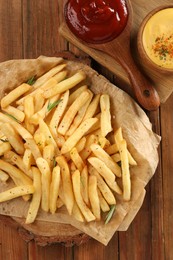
[(50, 106), (13, 117), (31, 81), (110, 214)]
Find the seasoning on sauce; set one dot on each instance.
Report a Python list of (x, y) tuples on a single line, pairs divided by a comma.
[(158, 38), (96, 21)]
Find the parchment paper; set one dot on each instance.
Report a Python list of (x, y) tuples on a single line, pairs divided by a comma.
[(137, 130)]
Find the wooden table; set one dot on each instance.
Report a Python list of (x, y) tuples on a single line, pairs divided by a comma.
[(29, 28)]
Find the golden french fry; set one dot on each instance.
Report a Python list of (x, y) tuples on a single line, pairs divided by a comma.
[(3, 176), (4, 147), (66, 183), (49, 154), (103, 203), (19, 115), (93, 196), (29, 111), (84, 184), (103, 142), (118, 138), (36, 197), (16, 192), (14, 139), (31, 144), (59, 203), (72, 167), (65, 84), (59, 139), (38, 102), (116, 157), (79, 117), (52, 72), (125, 170), (45, 182), (59, 112), (78, 134), (76, 93), (19, 177), (15, 94), (92, 107), (77, 159), (81, 144), (60, 76), (78, 197), (91, 139), (101, 167), (102, 155), (103, 187), (40, 140), (77, 213), (54, 189), (19, 128), (28, 159), (17, 160), (72, 111), (106, 126)]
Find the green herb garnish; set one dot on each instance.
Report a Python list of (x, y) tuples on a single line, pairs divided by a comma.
[(110, 214), (31, 81), (50, 106), (4, 140), (14, 118)]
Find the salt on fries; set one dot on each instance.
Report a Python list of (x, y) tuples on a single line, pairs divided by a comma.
[(54, 146)]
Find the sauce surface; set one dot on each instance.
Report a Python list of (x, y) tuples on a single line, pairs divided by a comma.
[(96, 21), (158, 38)]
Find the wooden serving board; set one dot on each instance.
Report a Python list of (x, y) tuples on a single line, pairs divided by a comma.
[(161, 82)]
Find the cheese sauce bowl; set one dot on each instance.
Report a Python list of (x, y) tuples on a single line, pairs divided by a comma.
[(155, 39)]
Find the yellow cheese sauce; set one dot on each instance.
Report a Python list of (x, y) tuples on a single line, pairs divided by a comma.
[(158, 38)]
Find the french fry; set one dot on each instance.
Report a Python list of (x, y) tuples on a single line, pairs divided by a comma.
[(19, 177), (78, 197), (92, 107), (49, 154), (54, 189), (79, 117), (77, 159), (72, 111), (78, 134), (14, 94), (41, 80), (60, 76), (31, 144), (116, 157), (66, 183), (65, 84), (38, 102), (118, 138), (106, 126), (16, 192), (19, 115), (40, 141), (93, 196), (45, 182), (84, 184), (29, 111), (59, 139), (76, 93), (4, 147), (28, 159), (17, 160), (125, 170), (103, 142), (101, 167), (103, 203), (59, 203), (77, 213), (103, 187), (112, 149), (3, 176), (91, 139), (81, 144), (59, 112), (102, 155), (36, 197), (14, 138)]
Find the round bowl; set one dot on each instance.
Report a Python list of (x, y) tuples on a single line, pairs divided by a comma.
[(155, 39)]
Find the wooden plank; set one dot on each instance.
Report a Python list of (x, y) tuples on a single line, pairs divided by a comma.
[(167, 163)]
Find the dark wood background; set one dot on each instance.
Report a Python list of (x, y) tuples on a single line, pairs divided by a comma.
[(29, 28)]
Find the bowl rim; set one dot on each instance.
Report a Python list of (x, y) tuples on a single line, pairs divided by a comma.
[(140, 33)]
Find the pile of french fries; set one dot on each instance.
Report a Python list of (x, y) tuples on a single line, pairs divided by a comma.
[(55, 146)]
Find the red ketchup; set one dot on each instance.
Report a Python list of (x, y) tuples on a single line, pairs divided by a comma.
[(96, 21)]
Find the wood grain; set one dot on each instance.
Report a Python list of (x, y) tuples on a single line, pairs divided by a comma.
[(30, 28)]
